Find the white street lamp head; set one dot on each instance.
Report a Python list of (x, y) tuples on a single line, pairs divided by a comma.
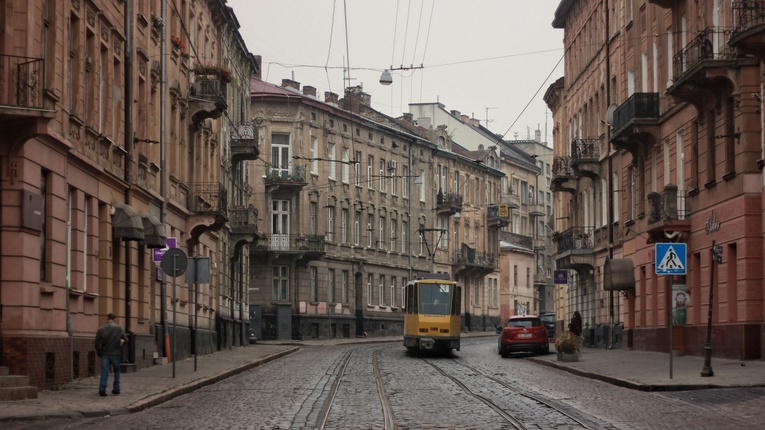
[(386, 78)]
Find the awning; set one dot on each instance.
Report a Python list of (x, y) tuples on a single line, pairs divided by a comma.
[(619, 274), (126, 223), (153, 232)]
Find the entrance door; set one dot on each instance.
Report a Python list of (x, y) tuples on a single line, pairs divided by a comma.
[(280, 224)]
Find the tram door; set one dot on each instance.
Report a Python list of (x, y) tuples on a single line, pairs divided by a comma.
[(280, 224)]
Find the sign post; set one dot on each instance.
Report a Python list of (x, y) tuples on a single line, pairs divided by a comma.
[(671, 259), (174, 263)]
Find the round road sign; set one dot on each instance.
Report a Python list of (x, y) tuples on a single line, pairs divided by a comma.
[(174, 262)]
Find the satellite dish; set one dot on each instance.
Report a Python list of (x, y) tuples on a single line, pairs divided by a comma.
[(610, 114)]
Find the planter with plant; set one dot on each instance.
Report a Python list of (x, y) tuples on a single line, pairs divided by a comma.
[(213, 72), (568, 347)]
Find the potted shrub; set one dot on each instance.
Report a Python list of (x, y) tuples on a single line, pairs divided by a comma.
[(213, 71), (568, 347)]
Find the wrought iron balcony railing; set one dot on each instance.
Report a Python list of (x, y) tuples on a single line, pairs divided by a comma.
[(291, 242), (562, 167), (669, 205), (208, 197), (448, 199), (575, 238), (472, 258), (747, 14), (585, 149), (21, 81), (500, 213), (290, 175), (244, 218), (637, 106), (210, 89), (710, 44)]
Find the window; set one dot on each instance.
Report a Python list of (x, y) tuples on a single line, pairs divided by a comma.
[(422, 185), (405, 185), (344, 286), (331, 224), (331, 161), (393, 170), (357, 167), (314, 155), (346, 166), (44, 227), (369, 289), (370, 219), (280, 154), (281, 283), (370, 166), (344, 226), (404, 243), (393, 230), (381, 186), (393, 291), (312, 220), (356, 228), (515, 276), (528, 277), (381, 237), (314, 288), (331, 286), (381, 291), (477, 294)]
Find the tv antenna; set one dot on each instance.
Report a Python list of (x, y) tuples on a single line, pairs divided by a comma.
[(487, 120)]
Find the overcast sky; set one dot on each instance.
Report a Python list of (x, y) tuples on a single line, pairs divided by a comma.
[(468, 55)]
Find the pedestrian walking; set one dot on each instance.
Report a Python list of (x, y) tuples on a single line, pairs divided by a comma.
[(109, 341), (575, 327)]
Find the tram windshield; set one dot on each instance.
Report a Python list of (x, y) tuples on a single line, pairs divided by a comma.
[(435, 299)]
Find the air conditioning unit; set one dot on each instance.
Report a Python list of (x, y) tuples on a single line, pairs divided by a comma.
[(392, 165)]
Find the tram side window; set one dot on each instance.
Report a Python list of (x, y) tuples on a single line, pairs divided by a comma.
[(411, 299), (457, 302)]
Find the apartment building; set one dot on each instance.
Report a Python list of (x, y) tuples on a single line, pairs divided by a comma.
[(102, 165), (658, 137), (358, 203)]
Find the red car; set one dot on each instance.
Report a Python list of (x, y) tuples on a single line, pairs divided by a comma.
[(523, 333)]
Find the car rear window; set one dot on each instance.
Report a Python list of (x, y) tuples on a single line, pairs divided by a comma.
[(524, 322), (548, 318)]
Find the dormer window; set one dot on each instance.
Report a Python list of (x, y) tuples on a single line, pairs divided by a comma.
[(441, 142)]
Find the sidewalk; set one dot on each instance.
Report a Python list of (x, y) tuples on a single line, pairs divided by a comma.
[(648, 371)]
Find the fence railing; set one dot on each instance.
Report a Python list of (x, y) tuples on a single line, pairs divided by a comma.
[(637, 106), (207, 197), (291, 242), (575, 238), (709, 44)]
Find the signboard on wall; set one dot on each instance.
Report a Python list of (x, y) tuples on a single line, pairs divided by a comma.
[(560, 277)]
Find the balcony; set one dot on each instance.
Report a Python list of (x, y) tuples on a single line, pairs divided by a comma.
[(208, 204), (536, 209), (667, 214), (244, 226), (516, 239), (22, 111), (513, 201), (498, 216), (540, 280), (207, 98), (448, 203), (575, 249), (747, 35), (563, 177), (585, 156), (244, 142), (540, 244), (636, 122), (701, 69), (292, 247), (290, 179), (468, 262)]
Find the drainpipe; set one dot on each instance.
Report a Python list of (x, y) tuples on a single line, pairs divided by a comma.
[(128, 162), (68, 280), (610, 182), (162, 163)]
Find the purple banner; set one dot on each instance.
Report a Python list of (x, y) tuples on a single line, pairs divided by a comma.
[(159, 252)]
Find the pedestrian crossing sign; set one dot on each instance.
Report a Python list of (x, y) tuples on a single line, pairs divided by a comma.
[(671, 258)]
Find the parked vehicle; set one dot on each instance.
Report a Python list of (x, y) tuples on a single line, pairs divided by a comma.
[(548, 319), (523, 333)]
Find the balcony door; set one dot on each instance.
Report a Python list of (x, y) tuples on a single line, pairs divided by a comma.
[(280, 155), (280, 224)]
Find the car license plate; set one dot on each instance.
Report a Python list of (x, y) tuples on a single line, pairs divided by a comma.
[(524, 336)]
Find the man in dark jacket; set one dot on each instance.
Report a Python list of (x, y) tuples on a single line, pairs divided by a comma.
[(109, 340)]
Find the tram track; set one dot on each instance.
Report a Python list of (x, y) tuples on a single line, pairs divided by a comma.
[(388, 418), (511, 418)]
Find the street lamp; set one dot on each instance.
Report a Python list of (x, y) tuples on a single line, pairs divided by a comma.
[(386, 78)]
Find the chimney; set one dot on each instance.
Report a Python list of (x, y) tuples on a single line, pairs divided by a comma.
[(309, 91), (475, 122), (480, 146), (538, 135), (423, 122), (408, 117), (456, 113), (465, 119), (289, 83), (259, 65), (355, 97), (330, 97)]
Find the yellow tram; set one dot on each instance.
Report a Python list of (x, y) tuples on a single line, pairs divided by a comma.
[(433, 313)]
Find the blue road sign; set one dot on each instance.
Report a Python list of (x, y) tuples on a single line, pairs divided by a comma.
[(671, 258)]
